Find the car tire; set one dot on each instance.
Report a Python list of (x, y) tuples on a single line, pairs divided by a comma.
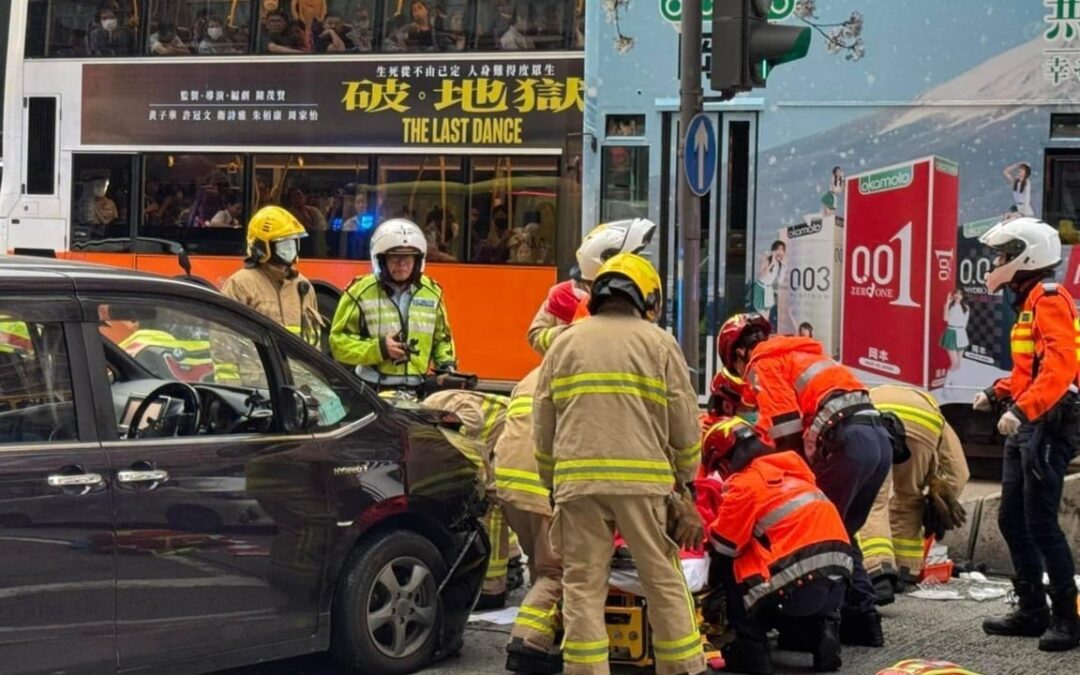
[(387, 616)]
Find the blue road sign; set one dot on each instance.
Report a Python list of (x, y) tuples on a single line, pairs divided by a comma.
[(699, 159)]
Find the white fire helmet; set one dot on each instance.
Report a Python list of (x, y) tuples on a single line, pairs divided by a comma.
[(1021, 245), (605, 240), (397, 235)]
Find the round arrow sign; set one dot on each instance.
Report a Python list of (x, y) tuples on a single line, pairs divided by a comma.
[(699, 156)]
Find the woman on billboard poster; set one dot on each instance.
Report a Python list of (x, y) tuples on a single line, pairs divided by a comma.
[(1019, 177), (955, 338)]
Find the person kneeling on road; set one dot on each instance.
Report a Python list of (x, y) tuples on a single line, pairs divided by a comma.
[(391, 324), (807, 402), (781, 556)]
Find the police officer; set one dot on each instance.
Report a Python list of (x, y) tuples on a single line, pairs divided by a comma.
[(925, 488), (807, 402), (391, 324), (567, 299), (269, 282), (616, 433), (1042, 426)]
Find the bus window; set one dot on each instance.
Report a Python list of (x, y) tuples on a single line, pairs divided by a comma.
[(514, 209), (80, 28), (426, 26), (428, 190), (206, 27), (537, 25), (196, 200), (624, 178), (329, 194), (101, 197)]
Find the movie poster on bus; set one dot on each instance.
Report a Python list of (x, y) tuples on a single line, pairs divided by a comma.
[(900, 254), (809, 302), (525, 100)]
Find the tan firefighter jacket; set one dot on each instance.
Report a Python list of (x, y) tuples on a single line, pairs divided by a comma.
[(483, 416), (517, 480), (927, 431), (545, 327), (266, 290), (615, 411)]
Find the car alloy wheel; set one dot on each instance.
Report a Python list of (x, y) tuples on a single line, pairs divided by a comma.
[(401, 607)]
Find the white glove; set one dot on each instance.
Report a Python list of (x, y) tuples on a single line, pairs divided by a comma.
[(1008, 424), (982, 402)]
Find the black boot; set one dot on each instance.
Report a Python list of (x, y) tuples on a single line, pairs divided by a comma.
[(515, 574), (796, 635), (861, 629), (491, 601), (883, 588), (521, 658), (1031, 616), (747, 656), (1064, 631), (827, 651)]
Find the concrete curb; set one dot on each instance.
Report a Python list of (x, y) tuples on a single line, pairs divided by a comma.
[(979, 542)]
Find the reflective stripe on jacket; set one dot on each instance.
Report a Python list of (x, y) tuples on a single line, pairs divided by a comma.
[(1045, 352), (779, 527), (615, 411), (790, 378), (267, 290), (545, 326), (366, 314), (517, 479)]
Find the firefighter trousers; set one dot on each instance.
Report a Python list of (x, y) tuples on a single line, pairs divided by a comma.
[(536, 622), (504, 547), (851, 475), (892, 538), (582, 533)]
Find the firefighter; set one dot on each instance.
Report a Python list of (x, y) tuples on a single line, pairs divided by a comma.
[(616, 438), (726, 396), (809, 403), (392, 324), (269, 282), (483, 418), (568, 300), (1042, 426), (525, 502), (780, 555), (924, 489)]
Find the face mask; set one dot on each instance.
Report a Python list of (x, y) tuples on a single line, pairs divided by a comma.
[(100, 189), (109, 24), (286, 250), (214, 33)]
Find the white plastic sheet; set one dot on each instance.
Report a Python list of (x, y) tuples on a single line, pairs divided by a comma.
[(696, 571)]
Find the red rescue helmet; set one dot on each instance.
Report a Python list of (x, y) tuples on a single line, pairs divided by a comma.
[(720, 440), (733, 329), (726, 393)]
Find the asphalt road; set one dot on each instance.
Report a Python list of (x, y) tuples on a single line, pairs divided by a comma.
[(914, 629)]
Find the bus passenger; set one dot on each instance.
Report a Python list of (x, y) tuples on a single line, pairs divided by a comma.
[(391, 324), (216, 43), (165, 42), (274, 38), (109, 38)]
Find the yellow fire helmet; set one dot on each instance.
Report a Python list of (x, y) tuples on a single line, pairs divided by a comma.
[(634, 277), (268, 225)]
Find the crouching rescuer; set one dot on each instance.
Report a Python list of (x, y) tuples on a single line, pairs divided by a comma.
[(1042, 428), (780, 553), (616, 433)]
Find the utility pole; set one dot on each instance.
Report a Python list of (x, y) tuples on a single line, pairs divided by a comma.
[(688, 205)]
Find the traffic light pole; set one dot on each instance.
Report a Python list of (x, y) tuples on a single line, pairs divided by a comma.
[(688, 204)]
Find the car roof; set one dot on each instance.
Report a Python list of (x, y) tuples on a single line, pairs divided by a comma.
[(30, 274)]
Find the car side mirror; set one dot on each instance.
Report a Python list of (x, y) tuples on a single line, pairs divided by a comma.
[(299, 412)]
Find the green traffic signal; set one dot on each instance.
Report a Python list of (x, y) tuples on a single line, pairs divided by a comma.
[(746, 47)]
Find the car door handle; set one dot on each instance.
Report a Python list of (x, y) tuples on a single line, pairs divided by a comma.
[(76, 480), (148, 476)]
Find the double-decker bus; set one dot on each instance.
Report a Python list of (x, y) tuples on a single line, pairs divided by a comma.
[(132, 126)]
